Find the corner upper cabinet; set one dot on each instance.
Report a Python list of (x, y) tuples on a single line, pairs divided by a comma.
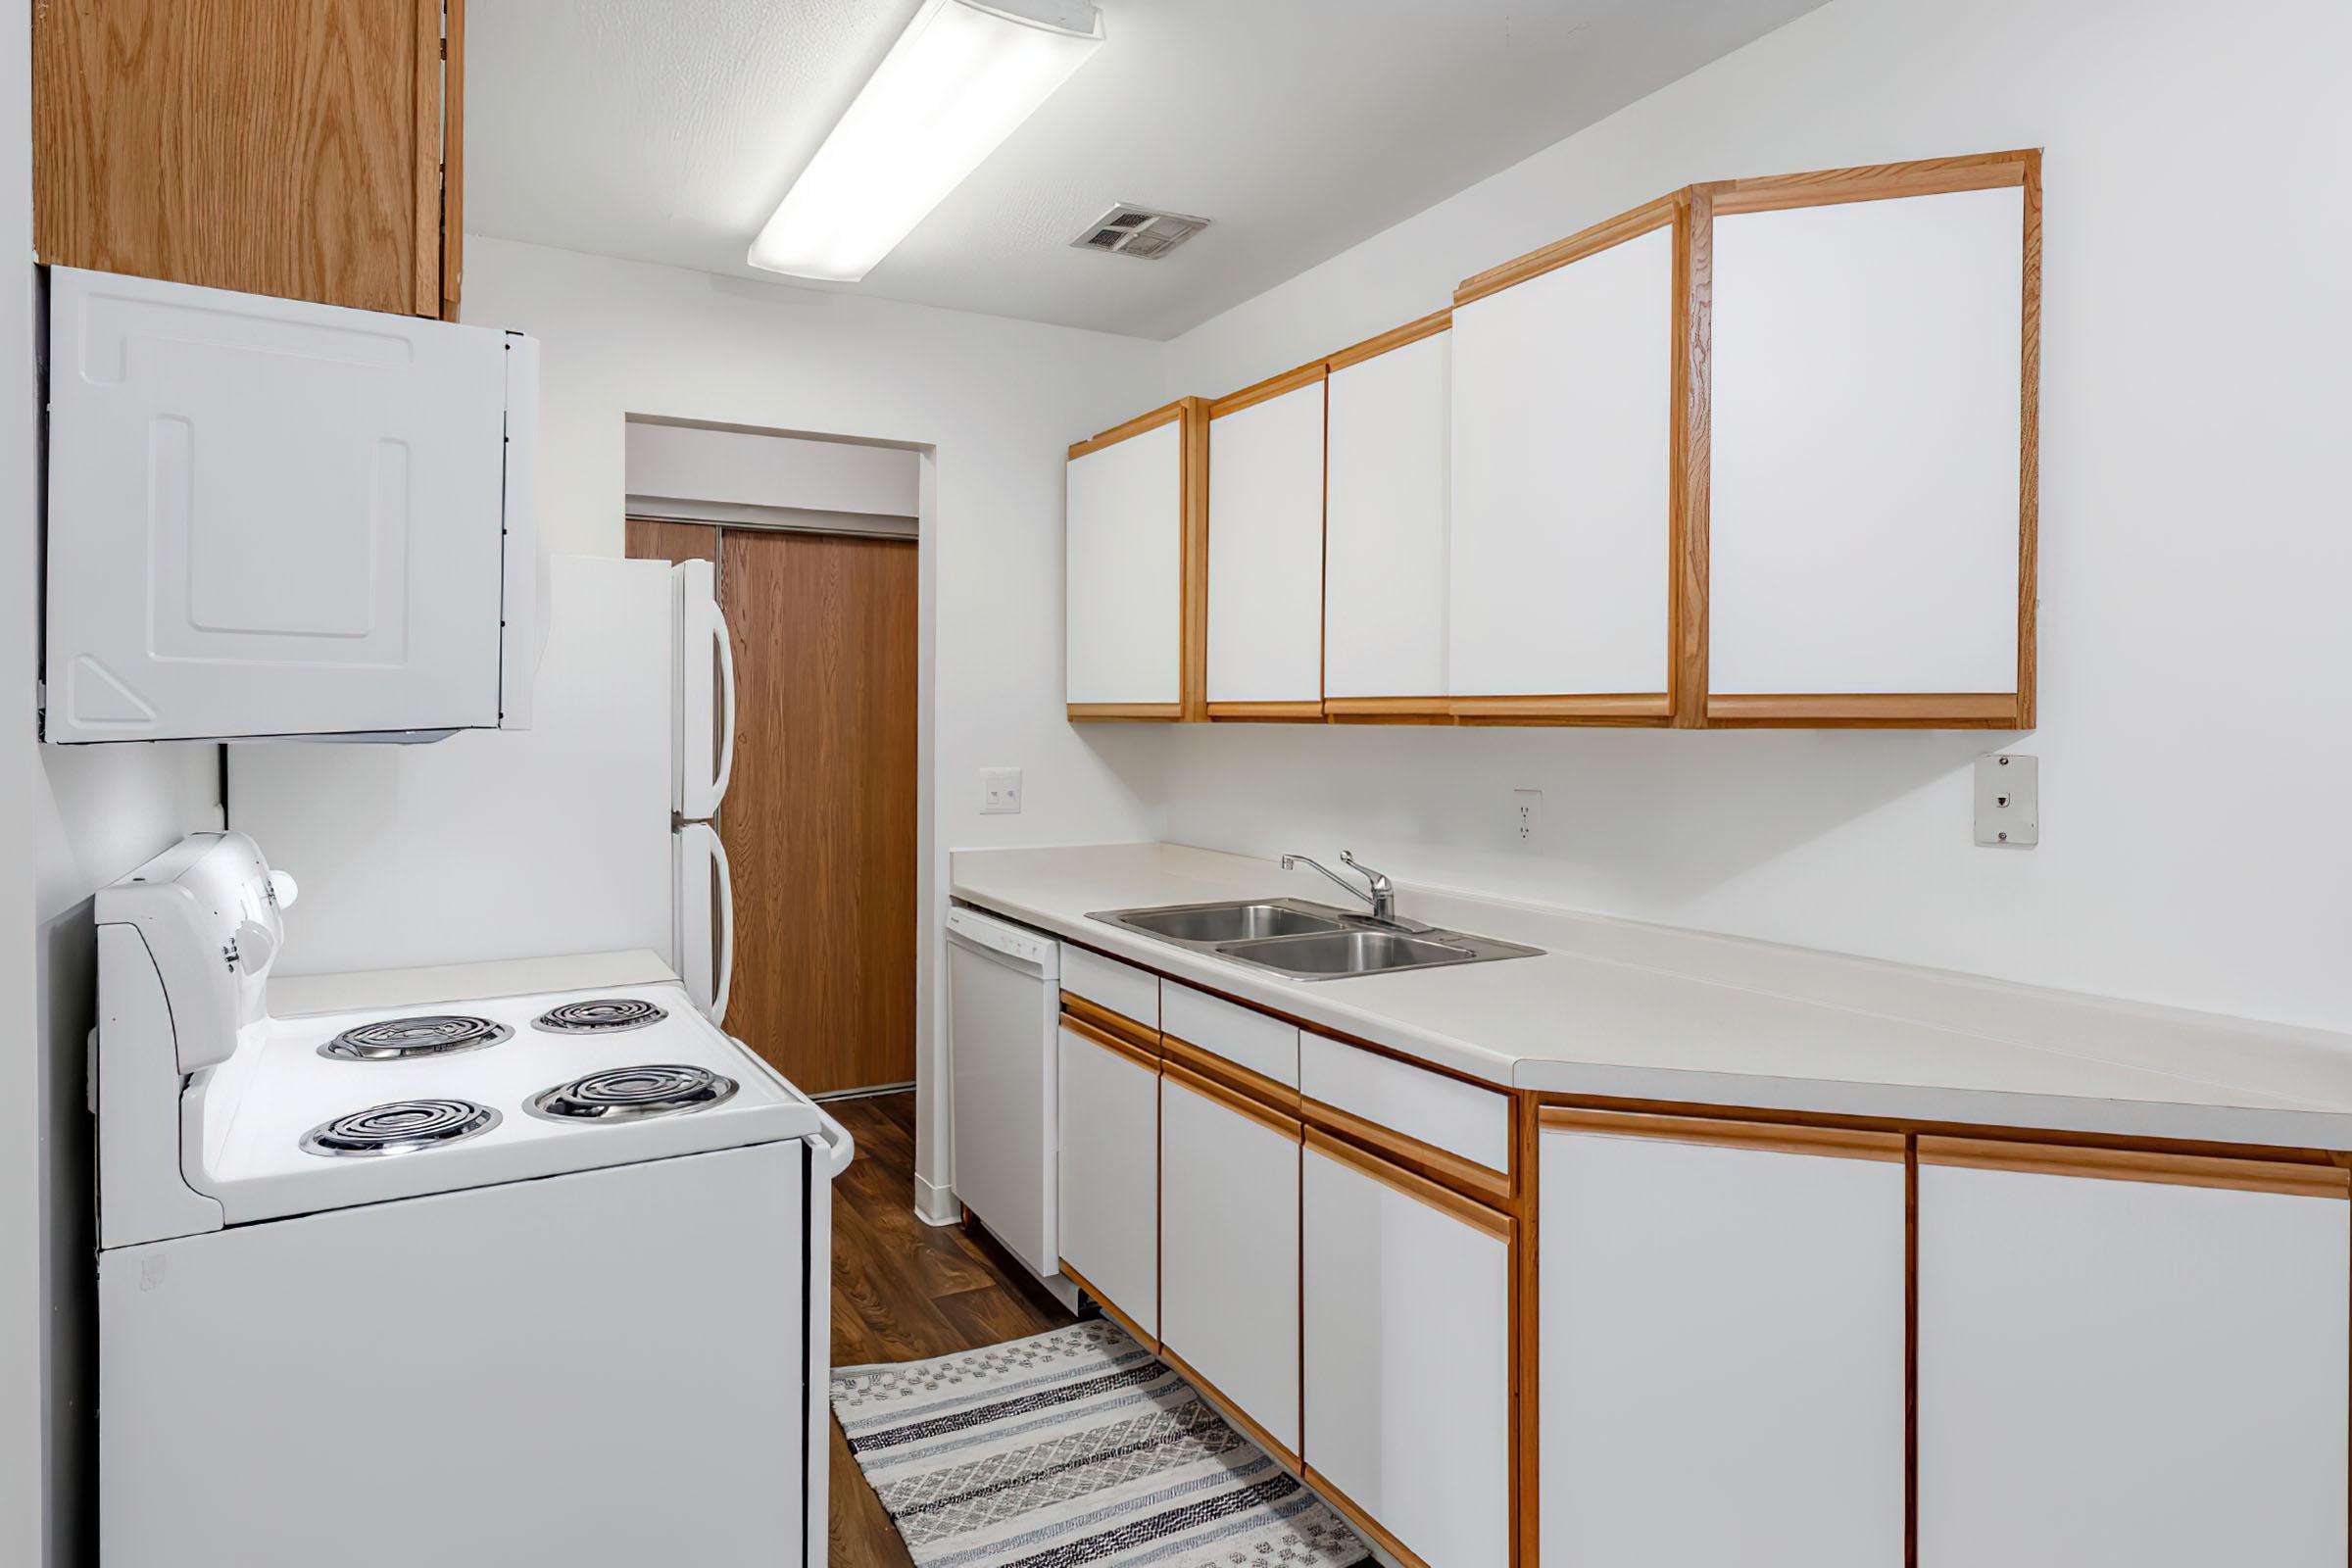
[(1564, 403), (1384, 526), (1265, 550), (311, 152), (1137, 540), (1870, 505)]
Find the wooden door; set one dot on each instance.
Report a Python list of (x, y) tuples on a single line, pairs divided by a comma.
[(1721, 1323), (820, 820), (1407, 1345), (2121, 1366), (292, 147), (1266, 554)]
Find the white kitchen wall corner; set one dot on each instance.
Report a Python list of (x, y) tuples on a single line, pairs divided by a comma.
[(1136, 591), (270, 519)]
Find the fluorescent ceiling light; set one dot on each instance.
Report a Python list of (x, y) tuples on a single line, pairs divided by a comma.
[(954, 86)]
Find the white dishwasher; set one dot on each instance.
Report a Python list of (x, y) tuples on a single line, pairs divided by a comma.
[(1003, 1011)]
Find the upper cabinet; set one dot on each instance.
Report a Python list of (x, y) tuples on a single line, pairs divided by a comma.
[(1761, 452), (303, 156), (1137, 501), (1384, 532), (1265, 550), (1873, 421), (1562, 485)]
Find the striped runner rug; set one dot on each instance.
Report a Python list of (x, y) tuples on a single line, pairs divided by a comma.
[(1077, 1447)]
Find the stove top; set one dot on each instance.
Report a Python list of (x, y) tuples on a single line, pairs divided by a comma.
[(289, 1128), (621, 1093), (600, 1015), (436, 1034), (399, 1127)]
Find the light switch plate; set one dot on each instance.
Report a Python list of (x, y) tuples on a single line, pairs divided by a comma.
[(999, 792), (2008, 799)]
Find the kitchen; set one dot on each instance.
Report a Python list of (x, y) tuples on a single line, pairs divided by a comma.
[(1868, 1184)]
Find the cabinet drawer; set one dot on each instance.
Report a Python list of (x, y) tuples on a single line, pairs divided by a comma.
[(1458, 1117), (1265, 1045), (1124, 989)]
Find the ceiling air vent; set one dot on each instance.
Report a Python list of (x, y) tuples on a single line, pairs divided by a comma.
[(1138, 232)]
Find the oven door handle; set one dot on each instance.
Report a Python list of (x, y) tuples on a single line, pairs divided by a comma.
[(838, 1141)]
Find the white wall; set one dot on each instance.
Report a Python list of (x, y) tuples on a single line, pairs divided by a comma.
[(997, 402), (2196, 534), (81, 818)]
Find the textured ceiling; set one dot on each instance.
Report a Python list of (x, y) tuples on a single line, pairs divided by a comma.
[(667, 131)]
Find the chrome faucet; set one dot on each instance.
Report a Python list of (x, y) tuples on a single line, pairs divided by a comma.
[(1378, 891)]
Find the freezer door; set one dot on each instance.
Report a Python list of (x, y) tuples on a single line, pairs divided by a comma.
[(704, 746), (269, 518), (705, 952)]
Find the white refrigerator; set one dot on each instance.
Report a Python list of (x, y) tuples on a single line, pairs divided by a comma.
[(590, 832)]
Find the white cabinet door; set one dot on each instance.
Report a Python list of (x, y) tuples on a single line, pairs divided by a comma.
[(1562, 414), (2115, 1371), (1385, 534), (1407, 1316), (1126, 585), (1722, 1332), (1109, 1181), (1265, 550), (271, 517), (1229, 1251), (1865, 440)]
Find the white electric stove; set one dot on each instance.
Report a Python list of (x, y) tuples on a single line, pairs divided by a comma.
[(536, 1277)]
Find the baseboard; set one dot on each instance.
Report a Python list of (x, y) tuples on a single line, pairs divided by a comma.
[(935, 1205)]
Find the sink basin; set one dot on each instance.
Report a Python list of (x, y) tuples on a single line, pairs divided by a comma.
[(1229, 922), (1338, 952), (1305, 940)]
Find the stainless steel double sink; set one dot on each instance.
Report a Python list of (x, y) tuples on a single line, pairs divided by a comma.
[(1305, 941)]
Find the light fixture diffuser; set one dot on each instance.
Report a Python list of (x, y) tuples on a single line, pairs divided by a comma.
[(958, 80)]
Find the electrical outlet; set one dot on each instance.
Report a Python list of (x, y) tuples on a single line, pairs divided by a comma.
[(1527, 813), (2008, 799), (999, 792)]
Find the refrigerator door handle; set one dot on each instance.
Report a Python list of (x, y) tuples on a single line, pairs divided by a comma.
[(723, 978), (709, 787)]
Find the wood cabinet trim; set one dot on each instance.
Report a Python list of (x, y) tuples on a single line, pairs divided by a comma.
[(1231, 1409), (1395, 337), (1601, 236), (2028, 457), (453, 158), (1870, 182), (2140, 1165), (1280, 1097), (1593, 708), (1690, 486), (1355, 1515), (1388, 709), (1479, 1183), (1840, 1142), (1834, 709), (1272, 388), (1194, 687), (1301, 711), (1163, 415), (1233, 1100), (1098, 1019), (1412, 1183), (1115, 713), (1110, 1308)]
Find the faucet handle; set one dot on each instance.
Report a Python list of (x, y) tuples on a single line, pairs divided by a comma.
[(1376, 878)]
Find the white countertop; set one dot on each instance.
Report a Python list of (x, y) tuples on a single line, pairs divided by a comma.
[(1619, 1009)]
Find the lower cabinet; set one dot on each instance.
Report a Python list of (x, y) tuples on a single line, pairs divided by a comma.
[(1407, 1316), (1109, 1172), (2118, 1369), (1720, 1342), (1229, 1250)]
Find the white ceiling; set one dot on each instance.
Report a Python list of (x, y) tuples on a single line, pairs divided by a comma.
[(667, 131)]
